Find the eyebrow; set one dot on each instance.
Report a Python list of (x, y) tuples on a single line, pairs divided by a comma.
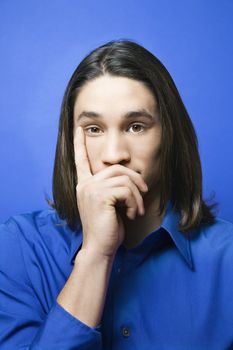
[(129, 115)]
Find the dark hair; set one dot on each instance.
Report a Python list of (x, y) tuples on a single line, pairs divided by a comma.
[(180, 167)]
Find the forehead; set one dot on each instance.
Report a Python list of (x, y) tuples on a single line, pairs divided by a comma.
[(118, 93)]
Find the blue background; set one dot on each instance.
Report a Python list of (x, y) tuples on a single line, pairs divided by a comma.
[(42, 42)]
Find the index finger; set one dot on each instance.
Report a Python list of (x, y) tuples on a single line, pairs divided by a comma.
[(80, 155)]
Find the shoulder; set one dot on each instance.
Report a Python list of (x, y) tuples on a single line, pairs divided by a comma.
[(32, 225), (25, 226), (219, 233), (29, 234), (31, 219), (214, 242)]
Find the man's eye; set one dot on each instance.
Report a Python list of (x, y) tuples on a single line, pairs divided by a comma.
[(137, 128), (93, 130)]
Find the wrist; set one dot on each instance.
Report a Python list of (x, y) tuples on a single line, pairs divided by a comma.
[(92, 256)]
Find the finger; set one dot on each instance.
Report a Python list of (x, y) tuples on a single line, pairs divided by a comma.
[(117, 170), (80, 155), (125, 181), (125, 195)]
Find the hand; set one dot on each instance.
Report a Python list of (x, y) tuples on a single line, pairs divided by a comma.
[(98, 197)]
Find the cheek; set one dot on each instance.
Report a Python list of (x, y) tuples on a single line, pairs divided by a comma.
[(149, 157), (150, 163), (148, 150)]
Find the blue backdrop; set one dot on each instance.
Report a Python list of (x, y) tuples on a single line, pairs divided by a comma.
[(43, 41)]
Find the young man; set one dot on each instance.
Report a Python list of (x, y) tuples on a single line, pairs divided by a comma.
[(130, 256)]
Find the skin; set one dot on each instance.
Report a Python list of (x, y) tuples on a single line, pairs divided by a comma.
[(117, 163), (113, 152)]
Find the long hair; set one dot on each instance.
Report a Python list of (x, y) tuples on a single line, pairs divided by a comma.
[(180, 166)]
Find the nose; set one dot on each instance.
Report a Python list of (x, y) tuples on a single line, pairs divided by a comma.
[(115, 150)]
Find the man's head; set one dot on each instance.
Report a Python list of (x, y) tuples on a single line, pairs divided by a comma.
[(121, 123), (113, 80)]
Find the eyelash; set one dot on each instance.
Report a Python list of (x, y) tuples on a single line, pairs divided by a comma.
[(138, 124)]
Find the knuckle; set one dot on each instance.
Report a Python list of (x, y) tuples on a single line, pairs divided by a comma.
[(128, 192), (139, 177), (126, 179), (83, 187), (78, 188), (79, 192)]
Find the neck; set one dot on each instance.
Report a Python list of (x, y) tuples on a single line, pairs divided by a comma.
[(136, 230)]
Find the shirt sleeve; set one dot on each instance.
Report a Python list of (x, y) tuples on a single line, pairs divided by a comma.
[(24, 324)]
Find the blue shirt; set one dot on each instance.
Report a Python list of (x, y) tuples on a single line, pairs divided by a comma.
[(169, 292)]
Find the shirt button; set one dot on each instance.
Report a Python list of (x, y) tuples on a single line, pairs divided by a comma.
[(118, 270), (125, 331)]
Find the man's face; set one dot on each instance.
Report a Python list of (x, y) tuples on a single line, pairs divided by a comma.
[(114, 133)]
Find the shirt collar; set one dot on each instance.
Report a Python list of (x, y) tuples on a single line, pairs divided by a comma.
[(182, 240), (170, 224)]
